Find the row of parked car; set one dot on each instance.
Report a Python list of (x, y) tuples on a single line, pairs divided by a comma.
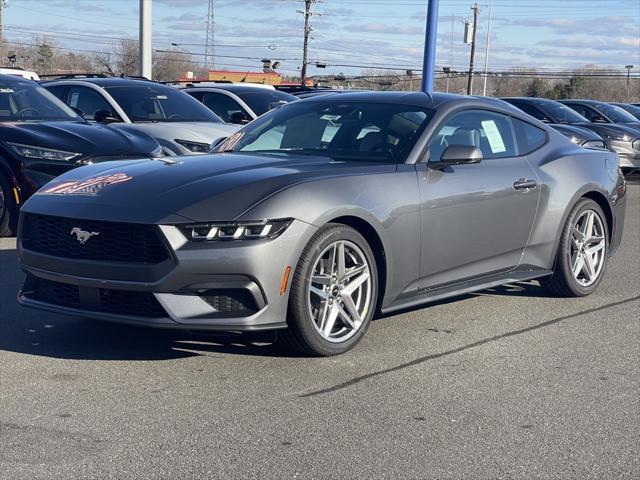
[(49, 127)]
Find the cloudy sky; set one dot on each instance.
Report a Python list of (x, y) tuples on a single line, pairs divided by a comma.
[(349, 35)]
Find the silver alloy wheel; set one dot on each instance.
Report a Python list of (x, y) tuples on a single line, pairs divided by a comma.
[(339, 296), (588, 248)]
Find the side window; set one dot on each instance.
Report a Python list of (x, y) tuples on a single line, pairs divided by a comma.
[(225, 107), (528, 136), (581, 110), (58, 91), (491, 132), (595, 116), (88, 101), (533, 111)]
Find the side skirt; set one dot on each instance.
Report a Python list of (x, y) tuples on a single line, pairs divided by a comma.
[(440, 293)]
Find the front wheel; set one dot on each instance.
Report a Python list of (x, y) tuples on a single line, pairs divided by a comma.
[(333, 293), (582, 254)]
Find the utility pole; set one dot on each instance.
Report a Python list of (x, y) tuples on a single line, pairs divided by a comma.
[(628, 67), (209, 47), (307, 31), (486, 50), (472, 59), (145, 39)]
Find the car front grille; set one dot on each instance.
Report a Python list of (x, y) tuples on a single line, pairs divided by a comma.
[(119, 302), (103, 241)]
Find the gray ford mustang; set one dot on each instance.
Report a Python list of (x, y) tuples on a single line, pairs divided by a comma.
[(323, 212)]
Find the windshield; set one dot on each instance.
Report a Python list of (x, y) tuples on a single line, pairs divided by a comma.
[(29, 102), (616, 114), (262, 102), (632, 109), (560, 113), (359, 131), (148, 102)]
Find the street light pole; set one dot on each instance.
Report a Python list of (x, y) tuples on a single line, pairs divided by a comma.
[(628, 67), (486, 50)]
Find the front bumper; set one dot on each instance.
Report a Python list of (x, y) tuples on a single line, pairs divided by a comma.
[(182, 288)]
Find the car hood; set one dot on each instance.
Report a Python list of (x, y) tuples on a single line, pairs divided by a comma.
[(203, 132), (218, 187), (610, 129), (581, 133), (88, 139)]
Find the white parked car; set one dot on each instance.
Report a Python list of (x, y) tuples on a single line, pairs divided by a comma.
[(181, 124)]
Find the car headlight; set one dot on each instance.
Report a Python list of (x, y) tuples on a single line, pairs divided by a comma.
[(31, 151), (207, 232), (616, 137), (196, 147)]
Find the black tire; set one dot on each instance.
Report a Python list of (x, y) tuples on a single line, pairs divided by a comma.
[(562, 282), (302, 336), (8, 207)]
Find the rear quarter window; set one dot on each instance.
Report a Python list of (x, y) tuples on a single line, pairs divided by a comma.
[(528, 137)]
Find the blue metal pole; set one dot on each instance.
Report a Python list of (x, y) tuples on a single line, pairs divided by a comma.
[(429, 62)]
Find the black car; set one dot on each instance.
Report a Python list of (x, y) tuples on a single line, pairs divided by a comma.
[(561, 118), (601, 112), (622, 139), (41, 138), (238, 103), (632, 109)]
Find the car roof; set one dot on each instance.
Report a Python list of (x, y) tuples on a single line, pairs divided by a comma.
[(15, 79), (233, 87), (580, 100), (107, 82), (530, 99), (418, 99)]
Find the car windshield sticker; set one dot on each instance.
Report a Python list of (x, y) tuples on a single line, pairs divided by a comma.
[(331, 118), (91, 186), (73, 101), (160, 97), (493, 136), (6, 90)]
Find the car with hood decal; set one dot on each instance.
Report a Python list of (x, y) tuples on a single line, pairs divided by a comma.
[(41, 138)]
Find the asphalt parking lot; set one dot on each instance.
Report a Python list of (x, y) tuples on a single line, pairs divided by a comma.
[(508, 383)]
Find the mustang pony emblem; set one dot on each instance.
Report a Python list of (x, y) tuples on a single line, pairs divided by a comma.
[(82, 235)]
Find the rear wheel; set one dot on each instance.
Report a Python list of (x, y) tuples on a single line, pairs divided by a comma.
[(582, 254), (333, 293), (8, 208)]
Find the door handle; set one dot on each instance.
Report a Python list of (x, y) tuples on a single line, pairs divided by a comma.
[(523, 183)]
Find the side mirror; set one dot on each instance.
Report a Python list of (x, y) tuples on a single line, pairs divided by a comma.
[(104, 116), (458, 155), (239, 118), (213, 148)]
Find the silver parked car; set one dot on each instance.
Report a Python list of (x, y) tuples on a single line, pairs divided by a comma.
[(321, 213), (238, 103), (182, 125)]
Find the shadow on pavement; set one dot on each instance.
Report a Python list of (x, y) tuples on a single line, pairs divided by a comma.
[(35, 332)]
